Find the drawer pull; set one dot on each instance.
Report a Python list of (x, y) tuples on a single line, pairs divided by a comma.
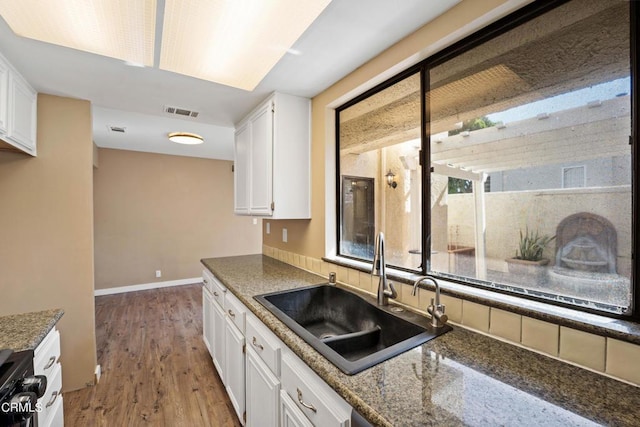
[(50, 363), (54, 396), (205, 281), (231, 313), (303, 403), (215, 294), (255, 344)]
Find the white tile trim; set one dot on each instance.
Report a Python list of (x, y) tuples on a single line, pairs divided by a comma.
[(146, 286)]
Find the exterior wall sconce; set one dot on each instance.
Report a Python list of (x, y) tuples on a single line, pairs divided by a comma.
[(391, 179)]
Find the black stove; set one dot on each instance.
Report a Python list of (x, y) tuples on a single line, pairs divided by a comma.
[(19, 389)]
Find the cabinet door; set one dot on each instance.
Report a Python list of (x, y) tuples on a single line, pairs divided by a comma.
[(22, 114), (311, 395), (235, 368), (261, 194), (290, 415), (241, 169), (263, 391), (207, 320), (218, 340), (4, 95)]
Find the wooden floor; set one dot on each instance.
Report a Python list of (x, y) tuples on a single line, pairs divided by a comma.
[(156, 370)]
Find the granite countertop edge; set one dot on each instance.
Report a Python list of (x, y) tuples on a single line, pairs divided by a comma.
[(25, 331), (569, 388)]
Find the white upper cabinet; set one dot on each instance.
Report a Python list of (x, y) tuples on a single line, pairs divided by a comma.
[(18, 103), (261, 158), (272, 159), (241, 169), (4, 96)]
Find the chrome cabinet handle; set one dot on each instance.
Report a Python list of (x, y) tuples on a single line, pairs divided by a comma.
[(255, 344), (303, 403), (231, 313), (50, 363), (54, 396)]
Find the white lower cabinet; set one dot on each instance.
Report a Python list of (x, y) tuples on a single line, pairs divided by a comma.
[(268, 385), (317, 401), (263, 392), (207, 319), (263, 372), (46, 361), (290, 415), (234, 354), (219, 357)]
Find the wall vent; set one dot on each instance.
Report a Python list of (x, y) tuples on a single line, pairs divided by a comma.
[(180, 111), (117, 129)]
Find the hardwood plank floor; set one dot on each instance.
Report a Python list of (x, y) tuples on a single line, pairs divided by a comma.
[(156, 369)]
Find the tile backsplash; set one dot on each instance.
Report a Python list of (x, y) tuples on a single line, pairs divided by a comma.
[(611, 357)]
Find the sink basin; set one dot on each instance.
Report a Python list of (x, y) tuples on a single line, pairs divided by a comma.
[(348, 330)]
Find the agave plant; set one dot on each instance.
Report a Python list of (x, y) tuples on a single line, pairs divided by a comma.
[(532, 245)]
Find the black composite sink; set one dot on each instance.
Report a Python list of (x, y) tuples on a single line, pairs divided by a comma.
[(351, 332)]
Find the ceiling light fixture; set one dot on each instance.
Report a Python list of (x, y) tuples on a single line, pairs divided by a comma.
[(185, 138), (235, 43), (122, 29)]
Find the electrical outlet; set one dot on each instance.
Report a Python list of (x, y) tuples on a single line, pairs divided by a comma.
[(284, 235), (268, 228), (158, 273), (255, 221)]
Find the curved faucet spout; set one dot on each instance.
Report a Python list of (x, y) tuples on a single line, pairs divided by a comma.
[(435, 309), (386, 289)]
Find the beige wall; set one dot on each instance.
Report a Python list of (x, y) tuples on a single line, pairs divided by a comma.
[(46, 230), (159, 212), (308, 236), (510, 212)]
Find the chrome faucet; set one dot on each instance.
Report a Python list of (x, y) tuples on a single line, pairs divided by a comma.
[(436, 310), (385, 288)]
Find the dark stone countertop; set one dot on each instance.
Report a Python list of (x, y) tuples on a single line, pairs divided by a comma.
[(25, 331), (459, 379)]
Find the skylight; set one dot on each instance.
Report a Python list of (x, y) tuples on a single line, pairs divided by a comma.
[(234, 43)]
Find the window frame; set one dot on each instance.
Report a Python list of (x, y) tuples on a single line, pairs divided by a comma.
[(483, 35), (416, 69)]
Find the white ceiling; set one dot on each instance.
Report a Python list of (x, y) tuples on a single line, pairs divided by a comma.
[(346, 35)]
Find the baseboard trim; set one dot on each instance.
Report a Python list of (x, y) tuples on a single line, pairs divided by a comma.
[(146, 286)]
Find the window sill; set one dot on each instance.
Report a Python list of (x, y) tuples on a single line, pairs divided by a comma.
[(623, 330)]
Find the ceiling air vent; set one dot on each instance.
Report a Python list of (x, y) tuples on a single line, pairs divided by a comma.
[(117, 129), (180, 111)]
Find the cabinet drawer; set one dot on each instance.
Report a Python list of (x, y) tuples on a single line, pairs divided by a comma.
[(207, 280), (265, 343), (235, 311), (52, 395), (47, 354), (317, 401), (56, 414), (218, 290)]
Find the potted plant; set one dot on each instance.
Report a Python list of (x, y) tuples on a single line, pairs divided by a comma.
[(528, 263)]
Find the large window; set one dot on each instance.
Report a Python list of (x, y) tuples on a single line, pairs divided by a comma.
[(380, 142), (525, 183)]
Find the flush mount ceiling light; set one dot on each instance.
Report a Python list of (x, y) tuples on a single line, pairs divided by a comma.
[(235, 43), (123, 29), (185, 138)]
